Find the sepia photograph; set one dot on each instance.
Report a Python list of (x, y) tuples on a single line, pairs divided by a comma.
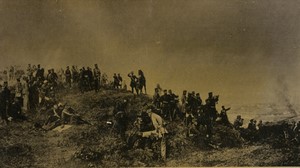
[(149, 83)]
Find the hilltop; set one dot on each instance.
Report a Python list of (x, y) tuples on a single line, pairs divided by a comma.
[(23, 144)]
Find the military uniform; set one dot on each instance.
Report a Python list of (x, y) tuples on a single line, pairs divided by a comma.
[(90, 77), (4, 102), (238, 122), (121, 118), (183, 102), (173, 101), (156, 98), (75, 74), (97, 75), (68, 76), (120, 79), (19, 91), (165, 104), (252, 125), (158, 124), (116, 82), (133, 82), (224, 117), (211, 103)]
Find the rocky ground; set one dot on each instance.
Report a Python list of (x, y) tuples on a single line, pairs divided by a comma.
[(23, 144)]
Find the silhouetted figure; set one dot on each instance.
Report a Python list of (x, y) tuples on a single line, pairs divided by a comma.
[(141, 81), (97, 75), (68, 76), (156, 98), (133, 82), (5, 102), (211, 102), (238, 122), (224, 117), (116, 81), (252, 125)]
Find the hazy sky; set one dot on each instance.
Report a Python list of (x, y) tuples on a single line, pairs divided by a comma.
[(239, 49)]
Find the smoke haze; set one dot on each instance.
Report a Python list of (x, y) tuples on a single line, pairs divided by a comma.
[(237, 49)]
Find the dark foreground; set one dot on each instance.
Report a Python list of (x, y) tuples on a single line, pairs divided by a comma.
[(23, 144)]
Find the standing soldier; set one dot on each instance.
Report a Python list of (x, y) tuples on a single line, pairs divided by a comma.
[(159, 89), (116, 81), (48, 75), (120, 81), (68, 76), (81, 80), (183, 101), (208, 118), (75, 74), (184, 104), (189, 108), (133, 82), (156, 98), (40, 73), (11, 73), (141, 81), (97, 75), (29, 72), (192, 103), (54, 78), (173, 101), (34, 70), (104, 79), (224, 117), (90, 76), (25, 94), (165, 103), (4, 102), (33, 94), (211, 101), (19, 91), (198, 100)]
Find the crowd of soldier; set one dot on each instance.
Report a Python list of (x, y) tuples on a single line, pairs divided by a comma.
[(35, 88), (194, 112), (190, 108)]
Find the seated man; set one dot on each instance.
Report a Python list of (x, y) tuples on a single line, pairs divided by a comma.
[(15, 112), (157, 122), (121, 119), (238, 123), (252, 125), (60, 115)]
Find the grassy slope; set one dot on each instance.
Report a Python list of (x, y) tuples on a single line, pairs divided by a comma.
[(23, 145)]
